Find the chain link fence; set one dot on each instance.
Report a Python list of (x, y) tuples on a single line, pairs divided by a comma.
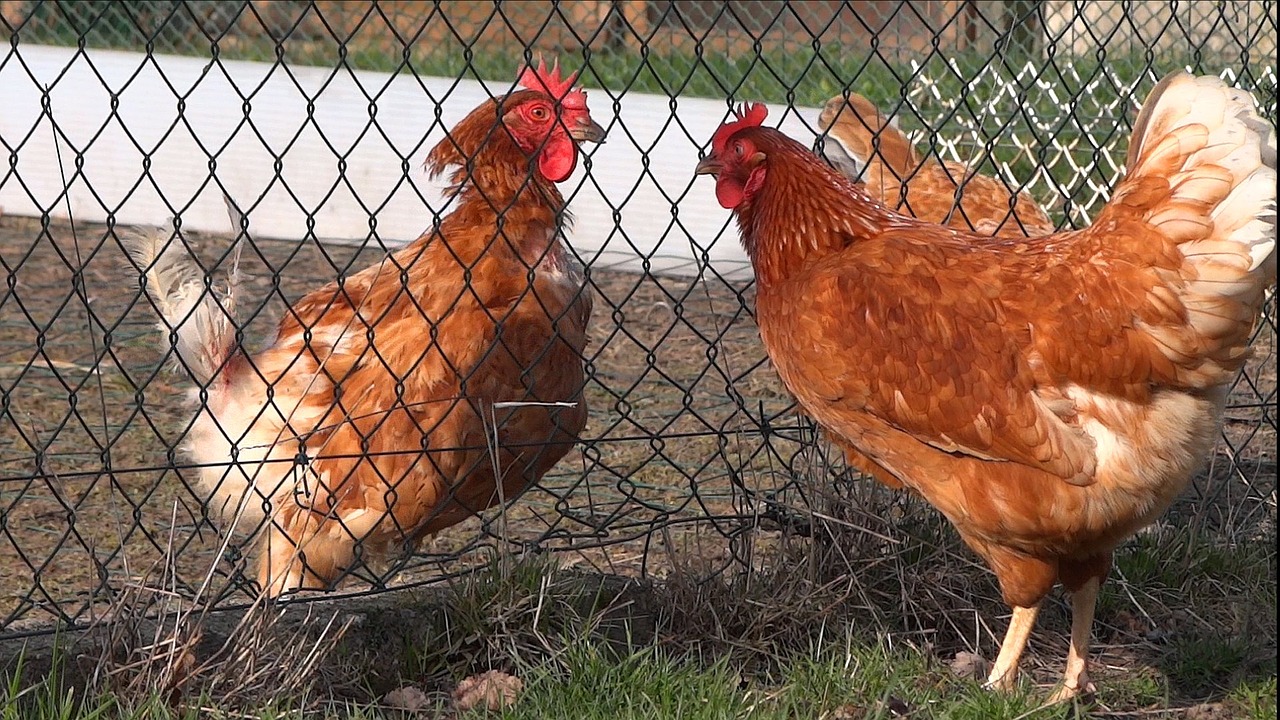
[(315, 116)]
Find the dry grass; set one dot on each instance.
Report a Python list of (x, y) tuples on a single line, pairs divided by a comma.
[(155, 642)]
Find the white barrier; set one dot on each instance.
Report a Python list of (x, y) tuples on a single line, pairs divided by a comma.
[(149, 129)]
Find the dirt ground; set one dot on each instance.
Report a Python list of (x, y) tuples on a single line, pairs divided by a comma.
[(687, 422)]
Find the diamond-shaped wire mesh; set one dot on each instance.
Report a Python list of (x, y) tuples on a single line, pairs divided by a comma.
[(315, 117)]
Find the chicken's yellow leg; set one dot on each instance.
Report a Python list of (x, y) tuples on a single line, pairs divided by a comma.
[(1005, 671), (1076, 679)]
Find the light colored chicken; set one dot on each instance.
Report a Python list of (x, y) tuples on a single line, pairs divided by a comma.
[(414, 394), (1050, 396), (864, 145)]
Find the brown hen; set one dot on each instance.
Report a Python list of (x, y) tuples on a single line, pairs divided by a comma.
[(1050, 396), (861, 143), (412, 395)]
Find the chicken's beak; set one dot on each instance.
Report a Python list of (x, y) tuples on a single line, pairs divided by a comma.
[(587, 130), (709, 165)]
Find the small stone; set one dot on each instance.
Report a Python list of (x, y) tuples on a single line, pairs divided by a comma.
[(1209, 711), (848, 712), (407, 698), (492, 690), (1131, 624), (968, 665)]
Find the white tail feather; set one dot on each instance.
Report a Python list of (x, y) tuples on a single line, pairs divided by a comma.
[(1227, 134), (1219, 157), (198, 320)]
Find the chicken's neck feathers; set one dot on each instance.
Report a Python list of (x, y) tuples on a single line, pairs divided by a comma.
[(803, 212), (501, 202)]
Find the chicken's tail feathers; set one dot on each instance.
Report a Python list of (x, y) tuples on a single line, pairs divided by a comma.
[(1205, 141), (1202, 170), (197, 320)]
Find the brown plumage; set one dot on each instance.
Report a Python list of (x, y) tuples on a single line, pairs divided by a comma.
[(861, 143), (1051, 395), (372, 419)]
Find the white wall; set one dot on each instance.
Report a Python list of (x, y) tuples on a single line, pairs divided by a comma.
[(180, 145)]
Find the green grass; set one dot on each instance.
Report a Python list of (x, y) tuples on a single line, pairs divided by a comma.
[(591, 682), (784, 655), (857, 680), (1200, 664), (1256, 698), (850, 679)]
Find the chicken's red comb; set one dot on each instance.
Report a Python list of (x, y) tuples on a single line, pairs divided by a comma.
[(551, 83), (748, 115)]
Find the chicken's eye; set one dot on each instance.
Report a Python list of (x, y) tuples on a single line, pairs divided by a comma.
[(738, 150), (539, 112)]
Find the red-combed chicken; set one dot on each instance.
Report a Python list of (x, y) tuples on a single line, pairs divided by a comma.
[(861, 143), (392, 401), (1050, 396)]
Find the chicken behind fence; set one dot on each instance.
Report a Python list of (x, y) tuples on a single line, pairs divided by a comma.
[(417, 392), (866, 146)]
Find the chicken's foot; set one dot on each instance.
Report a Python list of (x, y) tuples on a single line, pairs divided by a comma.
[(1005, 671), (1076, 679)]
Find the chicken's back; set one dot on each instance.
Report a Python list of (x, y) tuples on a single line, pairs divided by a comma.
[(949, 193)]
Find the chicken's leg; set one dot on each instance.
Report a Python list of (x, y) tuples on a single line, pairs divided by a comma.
[(303, 551), (1076, 680), (1005, 671)]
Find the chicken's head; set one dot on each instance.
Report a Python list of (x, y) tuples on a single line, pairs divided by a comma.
[(735, 161), (549, 118), (542, 120), (852, 130)]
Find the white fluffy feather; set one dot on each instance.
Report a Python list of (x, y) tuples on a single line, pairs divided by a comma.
[(198, 320), (1185, 109)]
